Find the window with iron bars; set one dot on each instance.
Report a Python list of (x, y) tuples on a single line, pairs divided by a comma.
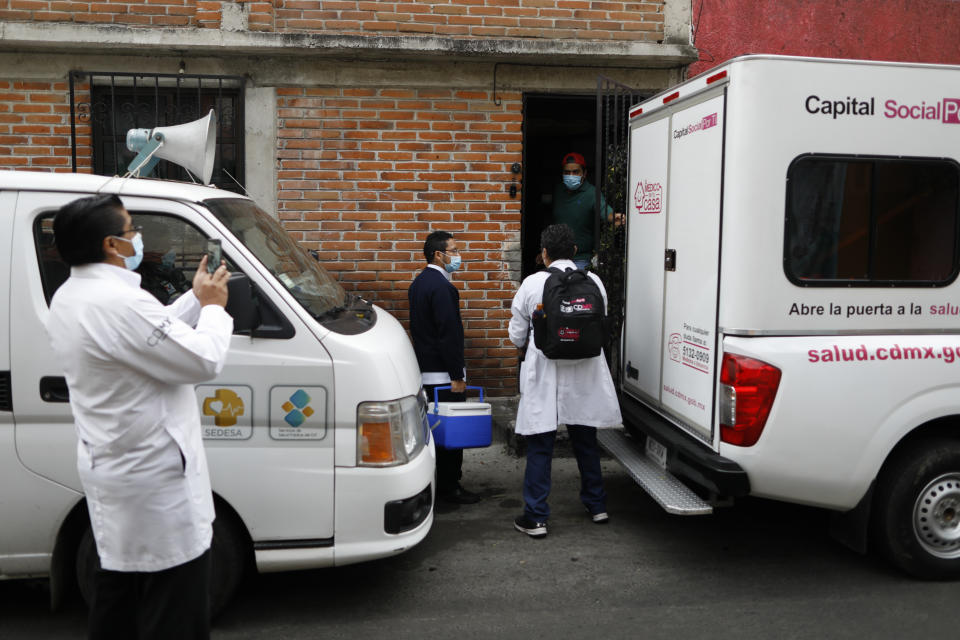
[(109, 104)]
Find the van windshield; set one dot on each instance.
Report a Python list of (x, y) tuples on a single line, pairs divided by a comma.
[(290, 263)]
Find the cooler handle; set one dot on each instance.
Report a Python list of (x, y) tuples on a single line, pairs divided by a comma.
[(436, 396)]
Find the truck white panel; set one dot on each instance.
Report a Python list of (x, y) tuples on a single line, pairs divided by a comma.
[(769, 124), (643, 326), (845, 402), (693, 233)]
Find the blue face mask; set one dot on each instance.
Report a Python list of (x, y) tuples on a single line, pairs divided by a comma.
[(453, 265), (132, 262), (169, 258), (572, 182)]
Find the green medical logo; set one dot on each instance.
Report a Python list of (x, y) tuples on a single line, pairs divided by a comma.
[(297, 408)]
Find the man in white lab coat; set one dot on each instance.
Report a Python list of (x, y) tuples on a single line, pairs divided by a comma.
[(130, 364), (577, 393)]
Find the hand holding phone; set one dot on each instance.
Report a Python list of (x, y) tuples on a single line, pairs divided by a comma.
[(213, 254)]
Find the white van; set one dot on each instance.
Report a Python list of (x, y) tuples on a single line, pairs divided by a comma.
[(318, 445), (792, 320)]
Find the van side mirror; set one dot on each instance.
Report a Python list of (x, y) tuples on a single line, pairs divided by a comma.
[(240, 303)]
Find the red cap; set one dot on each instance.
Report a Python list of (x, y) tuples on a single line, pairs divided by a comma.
[(573, 156)]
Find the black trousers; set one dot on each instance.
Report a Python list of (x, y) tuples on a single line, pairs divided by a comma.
[(157, 605), (449, 461)]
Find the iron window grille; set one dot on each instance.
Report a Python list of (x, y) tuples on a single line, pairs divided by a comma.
[(117, 102)]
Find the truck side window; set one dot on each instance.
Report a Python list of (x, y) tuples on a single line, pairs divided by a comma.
[(172, 249), (862, 221)]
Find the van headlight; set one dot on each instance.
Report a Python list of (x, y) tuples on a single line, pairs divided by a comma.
[(391, 433)]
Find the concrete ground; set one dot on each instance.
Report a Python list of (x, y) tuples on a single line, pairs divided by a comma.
[(758, 570)]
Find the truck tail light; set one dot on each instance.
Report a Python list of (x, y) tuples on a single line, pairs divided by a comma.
[(747, 390)]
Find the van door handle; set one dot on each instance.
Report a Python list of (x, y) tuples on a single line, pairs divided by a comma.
[(670, 260), (54, 389)]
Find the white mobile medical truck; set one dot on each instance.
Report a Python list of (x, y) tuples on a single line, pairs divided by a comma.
[(315, 431), (792, 320)]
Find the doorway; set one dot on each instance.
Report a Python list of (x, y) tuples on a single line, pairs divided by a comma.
[(552, 126)]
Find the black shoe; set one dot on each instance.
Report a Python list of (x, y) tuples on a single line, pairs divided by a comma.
[(533, 529), (459, 495)]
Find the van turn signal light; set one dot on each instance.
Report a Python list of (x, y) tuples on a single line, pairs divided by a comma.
[(377, 443)]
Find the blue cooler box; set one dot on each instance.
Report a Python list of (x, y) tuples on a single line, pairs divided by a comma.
[(460, 425)]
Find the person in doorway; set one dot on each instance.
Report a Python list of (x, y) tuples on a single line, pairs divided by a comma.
[(577, 393), (131, 365), (437, 332), (575, 205)]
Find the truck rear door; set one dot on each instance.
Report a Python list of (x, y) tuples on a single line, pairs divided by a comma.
[(670, 336)]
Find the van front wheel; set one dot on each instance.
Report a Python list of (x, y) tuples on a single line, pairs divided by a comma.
[(228, 561), (918, 510)]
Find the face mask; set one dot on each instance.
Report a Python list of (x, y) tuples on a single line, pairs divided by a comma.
[(169, 258), (132, 262), (572, 182), (453, 265)]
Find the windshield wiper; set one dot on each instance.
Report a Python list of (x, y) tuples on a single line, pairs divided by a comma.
[(353, 303), (331, 312)]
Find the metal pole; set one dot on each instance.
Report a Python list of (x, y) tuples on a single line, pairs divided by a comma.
[(73, 125)]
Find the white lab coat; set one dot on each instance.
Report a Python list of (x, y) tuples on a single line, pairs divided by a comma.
[(556, 392), (130, 364)]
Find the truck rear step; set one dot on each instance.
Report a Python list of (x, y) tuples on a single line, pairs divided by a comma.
[(674, 496)]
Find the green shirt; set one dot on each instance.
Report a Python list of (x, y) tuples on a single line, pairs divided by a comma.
[(577, 209)]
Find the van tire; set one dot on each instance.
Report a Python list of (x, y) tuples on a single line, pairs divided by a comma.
[(87, 564), (917, 524), (228, 554)]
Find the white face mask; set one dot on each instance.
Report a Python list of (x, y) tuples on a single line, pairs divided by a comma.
[(132, 262), (572, 182)]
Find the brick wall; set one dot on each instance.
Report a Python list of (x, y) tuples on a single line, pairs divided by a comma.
[(895, 30), (154, 13), (364, 174), (35, 126), (258, 15), (555, 19), (552, 19)]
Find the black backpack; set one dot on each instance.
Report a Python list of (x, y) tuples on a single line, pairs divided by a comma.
[(571, 325)]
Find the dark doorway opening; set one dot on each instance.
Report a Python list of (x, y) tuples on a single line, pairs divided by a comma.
[(553, 125)]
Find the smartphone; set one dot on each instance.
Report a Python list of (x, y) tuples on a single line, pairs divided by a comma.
[(213, 254)]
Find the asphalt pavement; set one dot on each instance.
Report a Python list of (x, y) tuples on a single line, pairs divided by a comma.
[(757, 570)]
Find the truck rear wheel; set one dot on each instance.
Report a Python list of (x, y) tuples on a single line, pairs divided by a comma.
[(918, 510), (228, 562)]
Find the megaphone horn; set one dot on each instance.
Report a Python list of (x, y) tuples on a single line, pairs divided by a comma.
[(192, 146)]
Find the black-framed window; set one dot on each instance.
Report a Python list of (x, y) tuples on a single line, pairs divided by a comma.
[(872, 221), (172, 251), (123, 101)]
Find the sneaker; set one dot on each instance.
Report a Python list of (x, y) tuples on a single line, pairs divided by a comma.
[(533, 529), (600, 518)]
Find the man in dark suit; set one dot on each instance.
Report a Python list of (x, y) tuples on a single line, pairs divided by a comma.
[(437, 332)]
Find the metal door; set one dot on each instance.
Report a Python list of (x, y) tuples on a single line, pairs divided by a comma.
[(612, 132), (693, 247)]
